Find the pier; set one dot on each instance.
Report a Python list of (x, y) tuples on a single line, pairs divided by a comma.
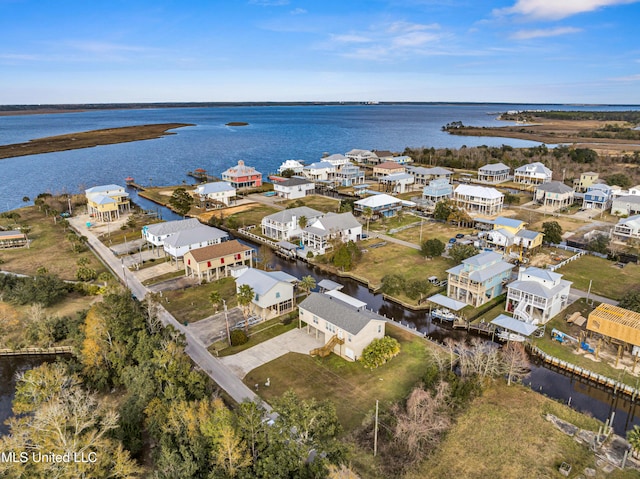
[(36, 351)]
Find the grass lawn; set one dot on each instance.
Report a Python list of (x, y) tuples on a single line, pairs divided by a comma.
[(352, 388), (504, 435), (253, 215), (192, 304), (163, 277), (317, 202), (387, 224), (431, 229), (49, 247), (257, 334), (608, 279)]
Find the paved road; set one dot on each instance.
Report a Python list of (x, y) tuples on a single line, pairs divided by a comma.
[(391, 239), (219, 372), (576, 294)]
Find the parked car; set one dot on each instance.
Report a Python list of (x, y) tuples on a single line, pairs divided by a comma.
[(460, 235), (452, 240)]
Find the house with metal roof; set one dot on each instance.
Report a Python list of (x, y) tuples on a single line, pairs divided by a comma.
[(627, 228), (626, 205), (493, 173), (242, 176), (158, 232), (106, 202), (586, 179), (350, 175), (362, 156), (273, 291), (213, 262), (215, 194), (294, 188), (396, 182), (342, 226), (437, 190), (537, 295), (509, 235), (293, 165), (344, 324), (319, 171), (423, 175), (338, 160), (381, 205), (176, 245), (597, 197), (285, 224), (479, 278), (478, 199), (532, 174), (554, 194)]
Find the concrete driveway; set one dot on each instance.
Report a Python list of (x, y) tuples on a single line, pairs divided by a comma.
[(296, 341)]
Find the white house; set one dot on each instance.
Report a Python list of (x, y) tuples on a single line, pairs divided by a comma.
[(292, 165), (478, 199), (381, 205), (397, 182), (626, 205), (361, 156), (343, 324), (555, 194), (273, 291), (285, 224), (423, 175), (219, 192), (176, 245), (319, 171), (343, 226), (336, 160), (532, 174), (537, 295), (350, 175), (493, 173), (294, 188), (627, 228), (437, 190), (157, 233)]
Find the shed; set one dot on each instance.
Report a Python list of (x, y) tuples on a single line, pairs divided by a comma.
[(615, 322)]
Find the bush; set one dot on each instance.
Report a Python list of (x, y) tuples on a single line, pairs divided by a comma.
[(379, 352), (238, 337)]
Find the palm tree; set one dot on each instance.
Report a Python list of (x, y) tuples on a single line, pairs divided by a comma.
[(307, 283), (245, 295), (215, 299), (302, 222), (633, 437), (367, 213)]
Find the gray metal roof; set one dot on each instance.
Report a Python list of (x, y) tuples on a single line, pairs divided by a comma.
[(490, 271), (293, 182), (196, 235), (538, 289), (263, 281), (447, 302), (215, 187), (510, 222), (285, 216), (494, 167), (329, 285), (631, 199), (339, 313), (333, 222), (555, 187), (515, 325), (528, 234), (170, 227)]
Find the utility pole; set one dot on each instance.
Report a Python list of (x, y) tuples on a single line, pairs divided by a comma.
[(589, 291), (226, 320), (375, 433)]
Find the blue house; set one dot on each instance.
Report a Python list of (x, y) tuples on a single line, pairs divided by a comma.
[(438, 190), (598, 197)]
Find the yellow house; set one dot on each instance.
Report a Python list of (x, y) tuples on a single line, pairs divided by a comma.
[(510, 235), (586, 180), (105, 203)]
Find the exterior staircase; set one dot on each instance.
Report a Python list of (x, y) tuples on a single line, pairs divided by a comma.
[(325, 350), (521, 311)]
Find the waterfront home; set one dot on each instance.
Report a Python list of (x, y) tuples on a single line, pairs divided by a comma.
[(478, 199), (176, 245), (554, 194), (381, 205), (350, 175), (626, 205), (294, 188), (422, 175), (382, 156), (438, 190), (213, 262), (285, 224), (537, 295), (157, 233), (397, 182), (597, 197), (493, 173), (617, 323), (401, 159), (479, 278), (510, 236), (387, 168), (341, 226), (532, 174), (217, 194), (273, 291), (365, 157), (337, 160), (13, 239), (106, 202), (627, 228), (242, 176), (343, 324), (292, 165), (583, 183), (319, 171)]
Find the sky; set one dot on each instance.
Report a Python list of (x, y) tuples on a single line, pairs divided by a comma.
[(520, 51)]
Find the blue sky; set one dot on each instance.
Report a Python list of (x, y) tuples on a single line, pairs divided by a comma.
[(561, 51)]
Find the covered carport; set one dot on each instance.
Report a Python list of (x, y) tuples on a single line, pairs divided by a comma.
[(446, 307), (516, 330)]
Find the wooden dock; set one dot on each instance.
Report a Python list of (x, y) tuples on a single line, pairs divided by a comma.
[(37, 351)]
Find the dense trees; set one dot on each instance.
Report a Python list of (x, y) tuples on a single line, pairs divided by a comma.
[(460, 252), (379, 351), (552, 232), (181, 201), (44, 288), (432, 247)]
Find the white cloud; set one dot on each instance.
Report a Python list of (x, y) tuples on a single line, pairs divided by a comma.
[(557, 9), (298, 11), (544, 33), (350, 38)]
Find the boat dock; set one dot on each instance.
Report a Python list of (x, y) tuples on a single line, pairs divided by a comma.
[(36, 351)]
